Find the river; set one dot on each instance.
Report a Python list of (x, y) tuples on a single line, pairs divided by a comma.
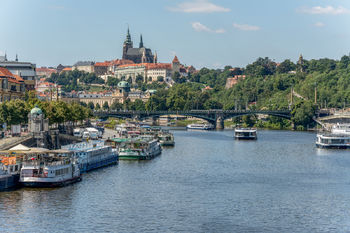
[(207, 183)]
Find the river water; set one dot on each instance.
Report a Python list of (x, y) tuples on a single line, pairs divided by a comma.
[(207, 183)]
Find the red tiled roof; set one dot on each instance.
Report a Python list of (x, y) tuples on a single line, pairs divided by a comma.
[(119, 62), (132, 65), (67, 69), (18, 78), (10, 77), (149, 66), (5, 72), (106, 63), (44, 69)]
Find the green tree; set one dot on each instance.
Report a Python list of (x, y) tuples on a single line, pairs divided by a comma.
[(303, 113), (160, 79), (91, 105), (105, 105)]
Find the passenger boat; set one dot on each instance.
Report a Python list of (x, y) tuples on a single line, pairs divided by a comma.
[(92, 155), (50, 168), (166, 139), (200, 126), (9, 176), (139, 149), (245, 133), (10, 167), (341, 129), (333, 141)]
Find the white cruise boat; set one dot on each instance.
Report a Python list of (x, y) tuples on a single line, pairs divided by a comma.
[(341, 129), (92, 155), (50, 169), (333, 141), (245, 133), (200, 126)]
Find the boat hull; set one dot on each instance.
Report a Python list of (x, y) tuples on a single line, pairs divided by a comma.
[(8, 182), (246, 138), (43, 184), (167, 143), (99, 164), (332, 146), (139, 157)]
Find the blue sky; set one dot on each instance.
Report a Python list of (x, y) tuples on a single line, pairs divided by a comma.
[(211, 33)]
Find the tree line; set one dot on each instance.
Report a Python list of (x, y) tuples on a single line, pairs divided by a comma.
[(16, 112)]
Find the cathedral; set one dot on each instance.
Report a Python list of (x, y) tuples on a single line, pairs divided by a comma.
[(137, 55)]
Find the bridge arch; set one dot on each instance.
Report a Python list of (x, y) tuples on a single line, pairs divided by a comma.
[(216, 117)]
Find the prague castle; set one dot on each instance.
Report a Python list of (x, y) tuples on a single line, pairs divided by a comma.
[(137, 55)]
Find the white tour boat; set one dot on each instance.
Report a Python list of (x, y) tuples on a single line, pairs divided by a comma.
[(341, 129), (92, 155), (50, 168), (333, 141), (245, 133), (200, 126)]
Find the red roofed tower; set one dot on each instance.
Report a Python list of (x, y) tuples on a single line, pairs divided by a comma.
[(176, 65)]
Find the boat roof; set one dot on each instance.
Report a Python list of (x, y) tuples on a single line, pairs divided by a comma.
[(19, 147), (330, 135), (245, 129)]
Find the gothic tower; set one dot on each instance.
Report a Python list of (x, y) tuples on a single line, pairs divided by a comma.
[(176, 65), (155, 57), (141, 42), (127, 44), (144, 58)]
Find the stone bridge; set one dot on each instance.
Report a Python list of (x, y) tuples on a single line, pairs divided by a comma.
[(215, 117)]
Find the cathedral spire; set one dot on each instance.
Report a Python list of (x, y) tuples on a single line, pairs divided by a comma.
[(141, 41), (155, 58), (16, 57), (128, 37)]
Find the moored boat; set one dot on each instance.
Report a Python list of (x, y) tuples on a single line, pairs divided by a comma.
[(166, 139), (200, 126), (9, 176), (139, 149), (341, 129), (245, 134), (333, 141), (92, 155), (50, 168)]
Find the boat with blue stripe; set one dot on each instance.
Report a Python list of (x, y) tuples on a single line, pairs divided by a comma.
[(93, 155)]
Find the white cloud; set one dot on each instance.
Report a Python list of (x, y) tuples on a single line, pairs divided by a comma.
[(327, 10), (246, 27), (319, 24), (197, 26), (199, 6), (220, 30)]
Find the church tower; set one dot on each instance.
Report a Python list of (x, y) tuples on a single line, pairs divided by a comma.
[(155, 57), (127, 44), (176, 65), (144, 58), (141, 42), (301, 63)]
